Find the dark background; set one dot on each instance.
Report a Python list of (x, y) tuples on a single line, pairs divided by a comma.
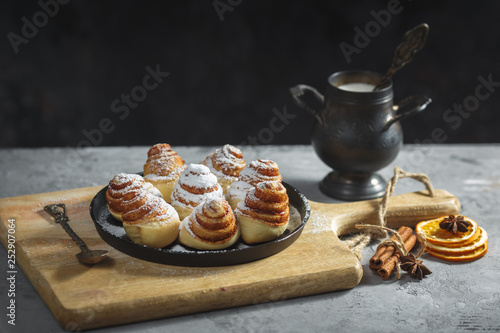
[(226, 76)]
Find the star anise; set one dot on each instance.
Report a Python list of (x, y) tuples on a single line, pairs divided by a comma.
[(414, 266), (454, 223)]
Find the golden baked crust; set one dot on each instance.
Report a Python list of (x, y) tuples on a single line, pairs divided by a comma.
[(125, 192), (256, 172), (210, 226), (163, 168), (154, 223), (195, 185), (226, 164), (163, 161), (264, 214)]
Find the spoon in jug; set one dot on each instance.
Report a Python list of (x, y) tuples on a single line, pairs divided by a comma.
[(413, 41), (86, 256)]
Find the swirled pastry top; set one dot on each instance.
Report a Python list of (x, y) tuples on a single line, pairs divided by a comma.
[(266, 202), (226, 162), (163, 163), (196, 185), (125, 190), (260, 171), (150, 209), (256, 172), (212, 222)]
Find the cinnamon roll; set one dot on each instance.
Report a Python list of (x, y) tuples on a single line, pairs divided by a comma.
[(254, 173), (153, 222), (211, 226), (124, 191), (264, 214), (163, 168), (226, 164), (195, 185)]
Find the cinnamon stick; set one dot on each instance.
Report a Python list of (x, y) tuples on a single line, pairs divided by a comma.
[(387, 268), (385, 252)]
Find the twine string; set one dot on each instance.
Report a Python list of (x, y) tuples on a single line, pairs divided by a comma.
[(371, 232), (423, 244)]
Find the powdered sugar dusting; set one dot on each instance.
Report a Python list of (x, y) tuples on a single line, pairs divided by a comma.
[(250, 196), (230, 156), (135, 191), (162, 212), (186, 225), (150, 204), (249, 172), (163, 164), (217, 173), (170, 210), (294, 217), (319, 222), (134, 181), (238, 190), (199, 176), (122, 178), (261, 163), (249, 177), (184, 198), (165, 171), (260, 170), (153, 190), (197, 168), (114, 230), (226, 163), (137, 183), (196, 176)]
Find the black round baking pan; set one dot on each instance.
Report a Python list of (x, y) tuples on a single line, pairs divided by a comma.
[(112, 232)]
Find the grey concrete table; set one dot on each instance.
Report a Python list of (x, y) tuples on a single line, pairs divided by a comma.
[(456, 297)]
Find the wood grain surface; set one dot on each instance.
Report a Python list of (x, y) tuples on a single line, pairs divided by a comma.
[(123, 289)]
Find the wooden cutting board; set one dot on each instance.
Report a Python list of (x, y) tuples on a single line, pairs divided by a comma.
[(123, 289)]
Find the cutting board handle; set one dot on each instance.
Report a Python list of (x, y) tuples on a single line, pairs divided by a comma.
[(405, 209)]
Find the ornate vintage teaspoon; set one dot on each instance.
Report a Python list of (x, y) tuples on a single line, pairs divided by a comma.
[(58, 212), (413, 41)]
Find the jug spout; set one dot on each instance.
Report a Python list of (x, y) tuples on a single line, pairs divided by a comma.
[(415, 104), (298, 92)]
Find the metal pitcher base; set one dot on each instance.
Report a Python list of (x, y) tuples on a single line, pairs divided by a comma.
[(353, 187)]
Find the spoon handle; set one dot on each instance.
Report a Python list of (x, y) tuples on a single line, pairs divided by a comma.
[(60, 217), (413, 41), (74, 236)]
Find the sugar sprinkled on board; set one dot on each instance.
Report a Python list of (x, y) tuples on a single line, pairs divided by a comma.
[(71, 205), (319, 223), (177, 273)]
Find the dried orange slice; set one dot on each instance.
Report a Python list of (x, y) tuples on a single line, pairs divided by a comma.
[(435, 235), (464, 256), (466, 248)]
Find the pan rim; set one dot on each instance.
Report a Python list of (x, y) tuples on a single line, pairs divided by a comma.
[(199, 258)]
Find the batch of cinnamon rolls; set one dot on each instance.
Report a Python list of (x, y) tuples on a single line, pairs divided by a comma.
[(207, 206)]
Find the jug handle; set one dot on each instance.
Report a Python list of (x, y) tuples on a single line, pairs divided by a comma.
[(419, 103), (298, 91)]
